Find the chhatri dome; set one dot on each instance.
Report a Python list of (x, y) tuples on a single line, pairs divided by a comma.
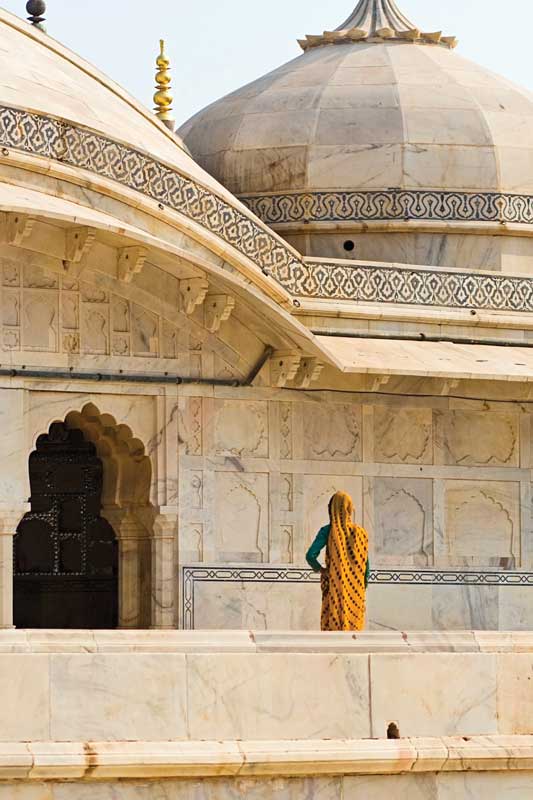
[(378, 128)]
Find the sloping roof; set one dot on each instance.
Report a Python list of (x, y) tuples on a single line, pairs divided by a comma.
[(430, 359)]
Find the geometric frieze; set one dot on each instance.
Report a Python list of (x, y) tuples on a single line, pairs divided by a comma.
[(383, 205), (75, 146), (378, 283), (80, 147)]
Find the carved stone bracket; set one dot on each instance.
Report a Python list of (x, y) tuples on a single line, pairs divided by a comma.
[(78, 244), (218, 309), (18, 227), (193, 293), (448, 386), (309, 371), (284, 367), (131, 261), (379, 382)]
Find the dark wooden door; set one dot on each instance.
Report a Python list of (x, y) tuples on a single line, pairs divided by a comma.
[(65, 552)]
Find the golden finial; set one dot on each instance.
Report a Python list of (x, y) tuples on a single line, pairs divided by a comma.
[(163, 97)]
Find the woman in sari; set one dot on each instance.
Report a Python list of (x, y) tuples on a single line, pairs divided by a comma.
[(345, 576)]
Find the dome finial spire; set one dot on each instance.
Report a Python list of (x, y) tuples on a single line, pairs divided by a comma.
[(163, 98), (36, 10), (377, 20)]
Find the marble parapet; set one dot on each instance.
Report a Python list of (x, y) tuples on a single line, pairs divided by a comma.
[(250, 642), (105, 761)]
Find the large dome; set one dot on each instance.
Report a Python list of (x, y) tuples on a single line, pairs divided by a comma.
[(379, 126)]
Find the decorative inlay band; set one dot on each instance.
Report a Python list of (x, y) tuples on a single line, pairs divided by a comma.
[(192, 575), (392, 205), (406, 286), (81, 147)]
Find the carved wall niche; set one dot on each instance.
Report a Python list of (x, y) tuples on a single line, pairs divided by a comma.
[(40, 321), (241, 428), (403, 435), (331, 431), (242, 517), (482, 524), (403, 522), (478, 438)]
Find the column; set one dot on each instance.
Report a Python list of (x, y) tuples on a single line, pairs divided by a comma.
[(9, 520), (164, 576), (131, 536)]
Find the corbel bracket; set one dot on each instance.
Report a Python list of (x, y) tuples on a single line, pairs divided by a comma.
[(193, 293), (131, 261), (78, 244), (18, 228), (284, 367), (309, 371), (448, 386), (379, 382), (218, 309)]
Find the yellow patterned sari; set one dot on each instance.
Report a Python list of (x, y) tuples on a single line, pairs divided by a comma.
[(343, 584)]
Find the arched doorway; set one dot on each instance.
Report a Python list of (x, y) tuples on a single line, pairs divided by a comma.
[(65, 552)]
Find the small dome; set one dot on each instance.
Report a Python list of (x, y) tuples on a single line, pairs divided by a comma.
[(377, 123), (44, 78)]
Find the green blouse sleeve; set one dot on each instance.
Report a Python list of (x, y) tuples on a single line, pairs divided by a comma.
[(367, 574), (316, 548)]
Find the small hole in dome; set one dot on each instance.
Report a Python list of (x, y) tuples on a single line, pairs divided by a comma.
[(349, 246)]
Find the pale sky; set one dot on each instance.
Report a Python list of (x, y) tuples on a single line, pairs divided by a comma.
[(217, 46)]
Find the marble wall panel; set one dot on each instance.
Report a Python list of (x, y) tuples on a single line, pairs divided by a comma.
[(466, 607), (478, 438), (489, 785), (401, 608), (515, 693), (265, 606), (274, 696), (482, 523), (331, 432), (116, 697), (403, 435), (24, 689), (447, 695), (242, 516), (241, 428), (403, 522), (399, 787), (24, 791), (515, 608), (323, 788)]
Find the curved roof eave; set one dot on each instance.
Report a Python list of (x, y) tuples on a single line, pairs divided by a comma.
[(21, 200)]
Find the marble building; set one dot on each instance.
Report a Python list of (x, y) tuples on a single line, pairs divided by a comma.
[(323, 281)]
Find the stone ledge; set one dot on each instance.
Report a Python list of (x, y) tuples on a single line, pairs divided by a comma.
[(64, 642), (92, 761)]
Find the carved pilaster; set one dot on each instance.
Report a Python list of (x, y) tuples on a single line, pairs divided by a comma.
[(9, 521), (163, 572)]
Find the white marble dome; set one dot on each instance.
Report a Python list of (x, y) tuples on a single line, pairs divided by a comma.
[(378, 125)]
